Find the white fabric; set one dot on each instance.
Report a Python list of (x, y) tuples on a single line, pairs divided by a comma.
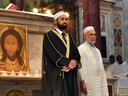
[(121, 70), (88, 29), (122, 82), (111, 68), (95, 53), (94, 78), (58, 14)]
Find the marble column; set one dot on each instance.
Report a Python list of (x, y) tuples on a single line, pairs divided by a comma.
[(125, 28), (91, 17), (18, 3)]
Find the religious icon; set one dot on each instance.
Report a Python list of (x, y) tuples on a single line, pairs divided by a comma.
[(13, 48), (15, 93)]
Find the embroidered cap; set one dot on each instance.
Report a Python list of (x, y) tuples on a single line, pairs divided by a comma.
[(58, 14), (88, 29)]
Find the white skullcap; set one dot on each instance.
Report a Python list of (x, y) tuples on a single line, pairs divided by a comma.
[(58, 14), (88, 29)]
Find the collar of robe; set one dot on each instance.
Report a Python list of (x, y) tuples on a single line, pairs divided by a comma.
[(66, 45)]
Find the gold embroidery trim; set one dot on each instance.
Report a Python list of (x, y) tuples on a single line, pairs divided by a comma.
[(60, 37), (66, 45), (56, 50)]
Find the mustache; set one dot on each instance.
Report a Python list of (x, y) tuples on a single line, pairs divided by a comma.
[(64, 23), (94, 39)]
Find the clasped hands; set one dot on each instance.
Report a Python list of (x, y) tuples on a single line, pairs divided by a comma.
[(72, 65)]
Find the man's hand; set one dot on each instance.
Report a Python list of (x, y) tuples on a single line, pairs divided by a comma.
[(66, 69), (83, 87), (72, 64), (127, 75)]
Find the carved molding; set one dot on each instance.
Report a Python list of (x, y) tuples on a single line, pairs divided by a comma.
[(26, 15), (20, 80), (109, 1)]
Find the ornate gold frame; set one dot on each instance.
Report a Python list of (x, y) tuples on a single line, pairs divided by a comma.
[(22, 30)]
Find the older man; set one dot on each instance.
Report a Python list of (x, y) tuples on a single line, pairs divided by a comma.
[(92, 75), (61, 61)]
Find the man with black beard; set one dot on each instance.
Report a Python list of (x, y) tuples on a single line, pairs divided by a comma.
[(61, 61)]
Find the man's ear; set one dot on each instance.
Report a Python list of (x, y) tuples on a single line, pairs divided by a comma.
[(85, 36), (55, 22)]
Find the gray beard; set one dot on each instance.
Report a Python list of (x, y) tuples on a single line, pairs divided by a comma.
[(92, 42)]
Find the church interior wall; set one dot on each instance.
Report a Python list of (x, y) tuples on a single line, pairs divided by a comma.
[(37, 26), (118, 31), (114, 37), (106, 28), (125, 28)]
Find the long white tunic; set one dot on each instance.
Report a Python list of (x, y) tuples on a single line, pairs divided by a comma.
[(94, 78), (121, 70)]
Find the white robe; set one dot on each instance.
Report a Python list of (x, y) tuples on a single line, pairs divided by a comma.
[(94, 78), (121, 70)]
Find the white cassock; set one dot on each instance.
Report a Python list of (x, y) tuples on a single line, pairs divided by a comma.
[(111, 68), (121, 70), (94, 78)]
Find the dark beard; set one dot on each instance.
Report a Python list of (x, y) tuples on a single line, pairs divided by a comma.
[(12, 58), (62, 27)]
